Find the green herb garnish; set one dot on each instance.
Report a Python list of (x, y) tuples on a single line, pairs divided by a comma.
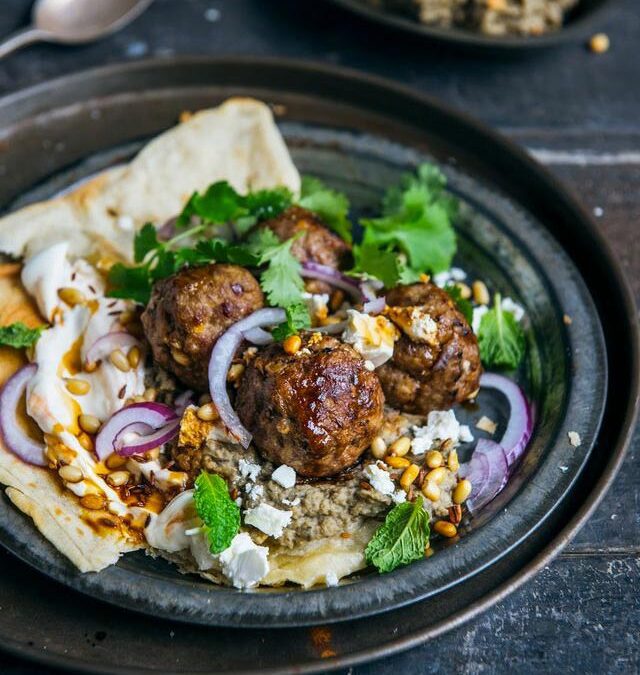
[(401, 539), (297, 319), (19, 335), (219, 513), (501, 339), (464, 306), (330, 205)]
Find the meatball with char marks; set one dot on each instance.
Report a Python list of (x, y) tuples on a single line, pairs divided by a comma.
[(190, 310), (316, 410), (436, 361)]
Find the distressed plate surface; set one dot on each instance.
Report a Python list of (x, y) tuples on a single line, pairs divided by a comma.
[(515, 233)]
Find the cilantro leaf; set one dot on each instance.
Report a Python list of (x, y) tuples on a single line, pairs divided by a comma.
[(330, 205), (145, 241), (464, 306), (374, 261), (19, 335), (130, 283), (297, 319), (264, 204), (501, 339), (401, 539), (219, 513)]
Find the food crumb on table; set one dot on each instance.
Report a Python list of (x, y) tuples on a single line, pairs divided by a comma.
[(574, 439)]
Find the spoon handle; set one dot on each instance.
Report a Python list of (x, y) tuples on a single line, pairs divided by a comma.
[(20, 39)]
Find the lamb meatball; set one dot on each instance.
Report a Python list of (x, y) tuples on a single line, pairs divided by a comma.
[(190, 310), (436, 361), (316, 411)]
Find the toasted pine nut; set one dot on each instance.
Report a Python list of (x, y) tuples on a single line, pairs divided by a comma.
[(89, 423), (397, 462), (150, 394), (431, 491), (134, 357), (119, 360), (292, 344), (127, 316), (85, 441), (336, 300), (400, 447), (118, 478), (436, 475), (115, 461), (409, 475), (424, 278), (378, 447), (461, 491), (235, 372), (78, 387), (92, 501), (71, 296), (180, 357), (70, 474), (445, 528), (434, 459), (465, 291), (90, 367), (480, 293), (428, 551), (207, 412), (452, 461)]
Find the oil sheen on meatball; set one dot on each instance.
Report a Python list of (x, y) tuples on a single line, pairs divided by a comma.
[(189, 311), (436, 361), (316, 411)]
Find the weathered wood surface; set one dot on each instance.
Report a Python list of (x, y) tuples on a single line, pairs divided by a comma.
[(579, 114)]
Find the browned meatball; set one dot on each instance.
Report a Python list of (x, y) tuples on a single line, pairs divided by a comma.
[(441, 367), (316, 411), (189, 311)]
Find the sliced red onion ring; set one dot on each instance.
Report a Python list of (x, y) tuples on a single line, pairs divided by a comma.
[(520, 425), (143, 444), (155, 415), (14, 437), (375, 306), (220, 362), (488, 472), (313, 270), (137, 428), (258, 336), (367, 290), (477, 470), (104, 345)]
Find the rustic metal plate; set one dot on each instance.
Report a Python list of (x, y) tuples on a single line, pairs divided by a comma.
[(518, 222)]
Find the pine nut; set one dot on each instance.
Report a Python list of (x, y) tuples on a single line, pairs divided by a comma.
[(452, 461), (428, 551), (134, 357), (89, 423), (409, 475), (180, 357), (119, 360), (480, 293), (292, 344), (118, 478), (93, 502), (85, 441), (78, 387), (235, 372), (445, 528), (127, 317), (436, 475), (465, 291), (71, 296), (462, 491), (70, 474), (397, 462), (434, 459), (400, 447), (150, 394), (207, 412), (115, 461), (431, 491), (91, 367), (378, 447)]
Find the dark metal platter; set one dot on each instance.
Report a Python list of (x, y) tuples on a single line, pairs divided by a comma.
[(579, 23), (359, 133)]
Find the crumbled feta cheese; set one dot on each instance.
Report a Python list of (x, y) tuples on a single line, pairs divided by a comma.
[(380, 479), (244, 563), (317, 304), (199, 548), (371, 336), (399, 496), (415, 322), (249, 470), (268, 519), (478, 313), (254, 491), (441, 425), (291, 502), (454, 274), (508, 305), (331, 579), (486, 424), (284, 475), (574, 439)]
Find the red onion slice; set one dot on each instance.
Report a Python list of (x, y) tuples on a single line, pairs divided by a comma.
[(155, 415), (258, 336), (138, 428), (220, 362), (147, 442), (375, 306), (488, 472), (330, 275), (104, 345), (16, 440), (520, 425)]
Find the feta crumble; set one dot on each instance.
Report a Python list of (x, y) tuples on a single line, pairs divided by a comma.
[(284, 475), (379, 479), (371, 336), (507, 304), (442, 425), (317, 304), (291, 502), (415, 322), (244, 563), (454, 274), (268, 519), (574, 439), (331, 579), (249, 470)]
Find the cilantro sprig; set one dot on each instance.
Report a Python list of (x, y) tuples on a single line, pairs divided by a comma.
[(330, 205), (500, 337), (219, 513), (19, 335)]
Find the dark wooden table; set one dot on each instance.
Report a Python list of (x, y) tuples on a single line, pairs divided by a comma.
[(579, 113)]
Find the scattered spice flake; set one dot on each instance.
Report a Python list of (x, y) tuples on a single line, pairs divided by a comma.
[(567, 320), (574, 439), (486, 424)]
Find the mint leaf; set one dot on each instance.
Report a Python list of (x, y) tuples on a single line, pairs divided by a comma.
[(19, 335), (331, 206), (297, 319), (401, 539), (219, 513), (500, 337), (464, 306)]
